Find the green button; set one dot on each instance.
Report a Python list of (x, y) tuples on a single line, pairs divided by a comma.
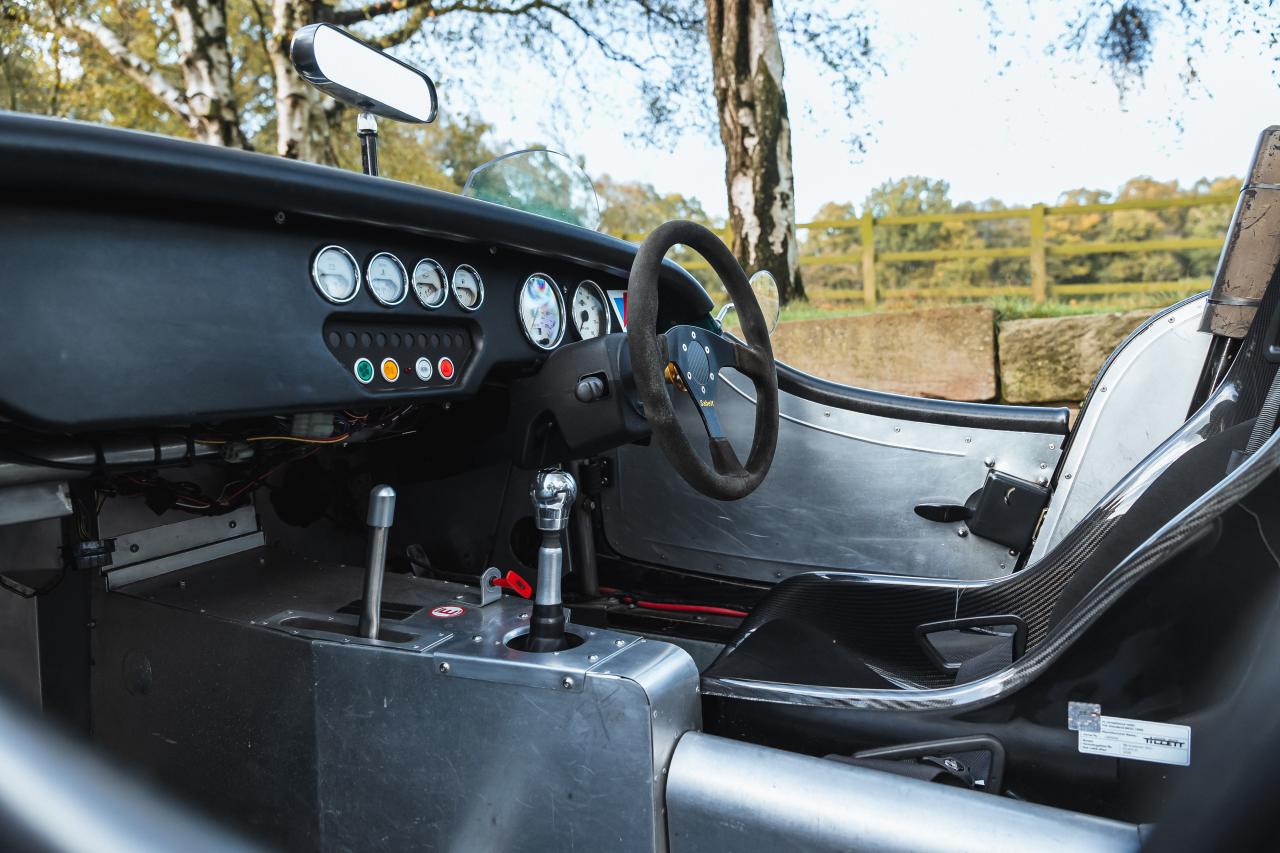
[(364, 370)]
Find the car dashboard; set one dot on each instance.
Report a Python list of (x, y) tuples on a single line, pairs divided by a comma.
[(151, 281)]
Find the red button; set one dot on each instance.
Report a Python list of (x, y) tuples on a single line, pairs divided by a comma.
[(445, 368)]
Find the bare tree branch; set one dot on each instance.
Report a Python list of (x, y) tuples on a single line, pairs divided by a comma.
[(141, 71)]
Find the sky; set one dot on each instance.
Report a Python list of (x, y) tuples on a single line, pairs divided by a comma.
[(1011, 123)]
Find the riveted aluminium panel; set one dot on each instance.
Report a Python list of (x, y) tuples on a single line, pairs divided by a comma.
[(840, 495)]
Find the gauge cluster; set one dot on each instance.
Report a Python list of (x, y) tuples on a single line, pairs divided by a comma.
[(425, 342)]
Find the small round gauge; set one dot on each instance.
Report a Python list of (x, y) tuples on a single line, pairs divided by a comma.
[(468, 289), (388, 282), (336, 274), (541, 309), (430, 283), (590, 311)]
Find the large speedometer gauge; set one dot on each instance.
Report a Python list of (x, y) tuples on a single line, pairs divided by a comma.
[(336, 274), (541, 309), (468, 288), (590, 311), (388, 282), (430, 284)]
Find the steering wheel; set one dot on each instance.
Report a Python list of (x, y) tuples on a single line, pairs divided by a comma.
[(691, 357)]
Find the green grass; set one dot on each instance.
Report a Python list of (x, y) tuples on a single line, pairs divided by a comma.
[(1006, 307)]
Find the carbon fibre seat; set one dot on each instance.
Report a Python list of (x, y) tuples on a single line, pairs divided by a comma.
[(844, 629)]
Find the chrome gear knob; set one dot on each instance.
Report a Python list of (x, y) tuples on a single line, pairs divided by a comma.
[(553, 493)]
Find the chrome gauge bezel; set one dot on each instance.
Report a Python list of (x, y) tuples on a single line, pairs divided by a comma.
[(404, 280), (446, 282), (604, 304), (555, 288), (315, 274), (453, 286)]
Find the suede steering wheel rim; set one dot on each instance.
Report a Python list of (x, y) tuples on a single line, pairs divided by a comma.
[(690, 357)]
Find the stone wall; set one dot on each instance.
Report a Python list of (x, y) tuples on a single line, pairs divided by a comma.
[(1054, 359), (958, 353), (942, 352)]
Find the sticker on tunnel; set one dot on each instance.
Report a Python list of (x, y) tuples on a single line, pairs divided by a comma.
[(1140, 740), (447, 611)]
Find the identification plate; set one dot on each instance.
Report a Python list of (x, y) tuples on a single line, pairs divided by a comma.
[(1164, 743)]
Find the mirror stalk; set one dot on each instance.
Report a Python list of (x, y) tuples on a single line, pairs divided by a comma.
[(367, 131)]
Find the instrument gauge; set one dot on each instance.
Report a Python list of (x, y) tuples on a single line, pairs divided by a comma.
[(388, 282), (430, 283), (468, 289), (541, 309), (336, 274), (590, 311)]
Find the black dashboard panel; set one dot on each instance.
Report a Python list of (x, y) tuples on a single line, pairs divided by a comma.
[(155, 281)]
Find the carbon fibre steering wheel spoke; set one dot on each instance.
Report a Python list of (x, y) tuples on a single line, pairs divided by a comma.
[(697, 356)]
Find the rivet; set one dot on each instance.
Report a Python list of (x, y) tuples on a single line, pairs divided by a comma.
[(457, 598), (1051, 447), (684, 348), (1044, 465), (961, 532), (566, 683), (1012, 553), (619, 643), (1042, 481), (897, 429), (593, 658), (279, 217), (1103, 388), (524, 615), (693, 335), (477, 639), (990, 462), (444, 667), (1066, 476)]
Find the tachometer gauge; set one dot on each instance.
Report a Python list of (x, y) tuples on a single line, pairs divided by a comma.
[(541, 310), (468, 289), (336, 274), (430, 284), (590, 311), (388, 282)]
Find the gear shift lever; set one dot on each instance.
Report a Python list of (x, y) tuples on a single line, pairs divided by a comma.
[(553, 494), (382, 507)]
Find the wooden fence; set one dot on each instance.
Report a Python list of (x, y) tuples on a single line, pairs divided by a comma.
[(1037, 251)]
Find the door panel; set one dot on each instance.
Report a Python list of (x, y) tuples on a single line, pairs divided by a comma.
[(841, 495)]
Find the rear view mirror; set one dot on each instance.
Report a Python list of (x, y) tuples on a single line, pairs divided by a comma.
[(345, 68), (765, 287)]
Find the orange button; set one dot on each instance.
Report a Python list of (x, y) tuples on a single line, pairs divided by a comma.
[(445, 368), (390, 369)]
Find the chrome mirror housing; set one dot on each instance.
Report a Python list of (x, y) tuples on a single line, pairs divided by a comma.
[(345, 68)]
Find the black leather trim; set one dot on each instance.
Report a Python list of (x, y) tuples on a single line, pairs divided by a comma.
[(1039, 419)]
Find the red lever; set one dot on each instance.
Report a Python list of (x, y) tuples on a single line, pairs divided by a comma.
[(515, 583)]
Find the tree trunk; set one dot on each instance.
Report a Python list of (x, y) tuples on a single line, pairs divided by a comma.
[(295, 99), (746, 65), (206, 68)]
